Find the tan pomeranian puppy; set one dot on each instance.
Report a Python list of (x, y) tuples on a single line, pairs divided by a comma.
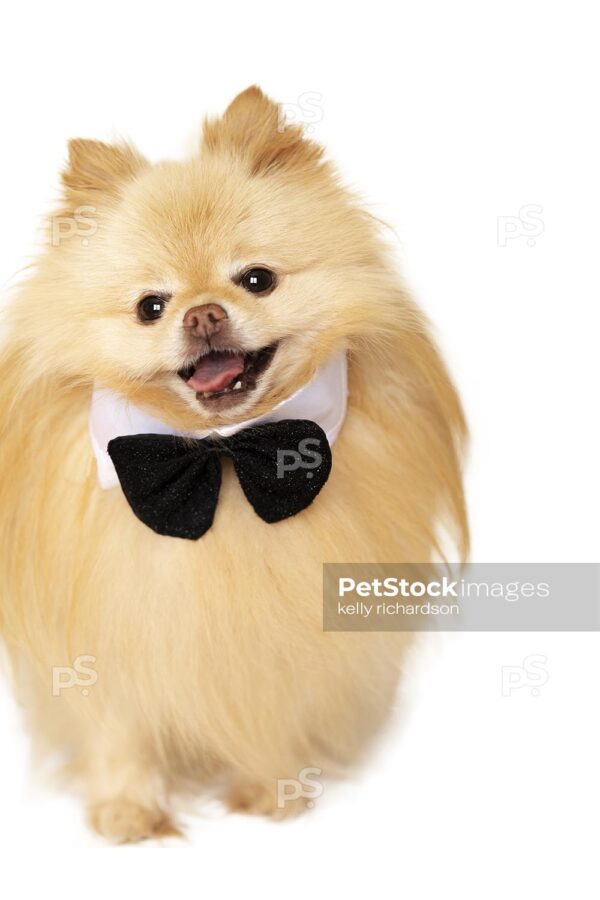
[(208, 293)]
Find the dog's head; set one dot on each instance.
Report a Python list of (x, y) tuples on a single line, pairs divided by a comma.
[(211, 288)]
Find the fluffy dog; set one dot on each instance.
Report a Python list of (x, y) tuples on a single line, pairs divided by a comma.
[(208, 292)]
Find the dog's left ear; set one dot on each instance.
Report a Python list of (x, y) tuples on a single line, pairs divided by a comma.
[(254, 129), (96, 169)]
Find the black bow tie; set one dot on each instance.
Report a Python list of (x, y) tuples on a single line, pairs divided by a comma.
[(172, 483)]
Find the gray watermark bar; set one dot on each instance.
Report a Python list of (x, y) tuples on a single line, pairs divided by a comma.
[(477, 597)]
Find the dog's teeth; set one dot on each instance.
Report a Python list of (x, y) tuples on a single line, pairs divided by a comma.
[(206, 395)]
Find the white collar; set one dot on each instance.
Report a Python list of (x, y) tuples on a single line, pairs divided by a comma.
[(323, 400)]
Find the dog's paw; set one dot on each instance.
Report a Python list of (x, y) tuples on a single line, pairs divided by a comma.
[(123, 821), (259, 800)]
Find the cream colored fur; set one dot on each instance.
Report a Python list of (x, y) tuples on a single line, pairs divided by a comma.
[(210, 654)]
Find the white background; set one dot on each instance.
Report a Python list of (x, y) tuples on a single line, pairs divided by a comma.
[(445, 117)]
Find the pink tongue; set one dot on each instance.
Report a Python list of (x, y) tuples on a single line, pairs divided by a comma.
[(215, 371)]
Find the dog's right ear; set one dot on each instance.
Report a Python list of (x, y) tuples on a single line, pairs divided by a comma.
[(252, 128), (95, 169)]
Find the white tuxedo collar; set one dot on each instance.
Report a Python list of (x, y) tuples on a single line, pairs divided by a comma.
[(323, 400)]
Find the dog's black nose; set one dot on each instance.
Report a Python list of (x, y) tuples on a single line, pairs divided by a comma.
[(204, 321)]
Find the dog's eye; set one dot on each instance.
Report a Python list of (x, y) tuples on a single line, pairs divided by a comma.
[(258, 281), (151, 308)]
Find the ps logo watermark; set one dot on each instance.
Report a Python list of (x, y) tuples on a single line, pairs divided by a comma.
[(82, 223), (78, 674), (302, 458), (528, 223), (533, 674), (305, 111), (289, 789)]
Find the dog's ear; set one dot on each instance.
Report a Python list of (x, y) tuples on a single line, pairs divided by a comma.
[(95, 168), (253, 128)]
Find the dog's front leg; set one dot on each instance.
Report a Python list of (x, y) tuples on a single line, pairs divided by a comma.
[(125, 794)]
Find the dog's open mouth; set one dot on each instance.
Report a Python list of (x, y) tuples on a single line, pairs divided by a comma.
[(222, 377)]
